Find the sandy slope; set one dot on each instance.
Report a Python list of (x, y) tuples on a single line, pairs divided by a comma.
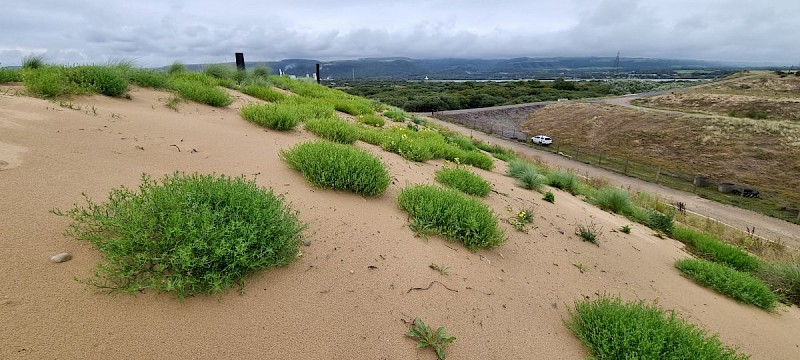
[(510, 301)]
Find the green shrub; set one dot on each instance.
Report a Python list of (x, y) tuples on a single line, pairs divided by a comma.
[(148, 78), (443, 150), (33, 62), (105, 80), (478, 160), (614, 200), (504, 157), (451, 214), (264, 93), (549, 197), (188, 234), (525, 173), (463, 143), (783, 278), (660, 222), (735, 284), (396, 115), (47, 81), (274, 116), (625, 229), (10, 75), (710, 248), (337, 166), (195, 77), (563, 180), (372, 120), (409, 147), (333, 129), (614, 330), (310, 108), (200, 92), (176, 68), (372, 136), (353, 106), (464, 181), (220, 71)]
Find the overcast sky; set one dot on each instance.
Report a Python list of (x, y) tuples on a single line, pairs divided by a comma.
[(158, 32)]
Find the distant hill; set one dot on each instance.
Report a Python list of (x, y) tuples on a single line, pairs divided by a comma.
[(498, 69)]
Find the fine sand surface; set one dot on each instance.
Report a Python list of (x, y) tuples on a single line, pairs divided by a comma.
[(348, 296)]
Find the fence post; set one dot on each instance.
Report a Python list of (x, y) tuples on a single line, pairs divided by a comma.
[(318, 79), (240, 61)]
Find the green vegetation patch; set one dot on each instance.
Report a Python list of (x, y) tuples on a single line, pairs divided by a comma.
[(336, 166), (451, 214), (563, 180), (187, 234), (464, 180), (784, 280), (372, 120), (735, 284), (396, 115), (612, 330), (148, 78), (106, 80), (614, 200), (264, 93), (10, 75), (280, 116), (200, 90), (333, 129), (711, 248), (526, 174)]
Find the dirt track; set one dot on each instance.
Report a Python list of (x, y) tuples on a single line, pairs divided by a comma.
[(767, 227)]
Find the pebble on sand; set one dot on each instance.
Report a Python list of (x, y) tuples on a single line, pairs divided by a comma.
[(307, 242), (59, 258)]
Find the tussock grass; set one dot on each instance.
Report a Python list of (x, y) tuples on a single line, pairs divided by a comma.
[(333, 129), (613, 329), (310, 108), (220, 71), (176, 67), (526, 174), (372, 136), (187, 234), (478, 160), (264, 93), (199, 91), (372, 120), (464, 181), (783, 278), (148, 78), (652, 219), (106, 80), (397, 115), (711, 248), (33, 62), (352, 105), (408, 145), (47, 81), (10, 75), (613, 199), (336, 166), (725, 280), (563, 180), (452, 214), (274, 116), (463, 143)]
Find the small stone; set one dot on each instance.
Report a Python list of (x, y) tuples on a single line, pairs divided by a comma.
[(60, 258), (307, 242)]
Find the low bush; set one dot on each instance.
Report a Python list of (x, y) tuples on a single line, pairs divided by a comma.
[(200, 92), (563, 180), (274, 116), (710, 248), (372, 136), (463, 143), (109, 81), (659, 221), (407, 145), (396, 115), (783, 278), (187, 234), (47, 81), (464, 181), (10, 75), (372, 120), (336, 166), (451, 214), (612, 329), (148, 78), (549, 197), (478, 160), (333, 129), (735, 284), (264, 93), (614, 200)]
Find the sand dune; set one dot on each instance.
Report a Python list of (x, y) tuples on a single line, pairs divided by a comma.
[(510, 302)]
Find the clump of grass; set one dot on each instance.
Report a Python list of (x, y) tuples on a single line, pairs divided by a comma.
[(336, 166), (588, 232), (33, 62), (351, 105), (613, 199), (549, 197), (735, 284), (106, 80), (444, 270), (333, 129), (46, 81), (424, 336), (220, 71), (187, 234), (710, 248), (463, 143), (661, 222), (172, 103), (563, 180), (372, 120), (451, 214), (148, 78), (527, 174), (477, 159), (264, 93), (274, 116), (10, 75), (783, 278), (625, 229), (408, 146), (176, 67), (200, 91), (612, 329), (464, 181), (397, 115), (372, 136)]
